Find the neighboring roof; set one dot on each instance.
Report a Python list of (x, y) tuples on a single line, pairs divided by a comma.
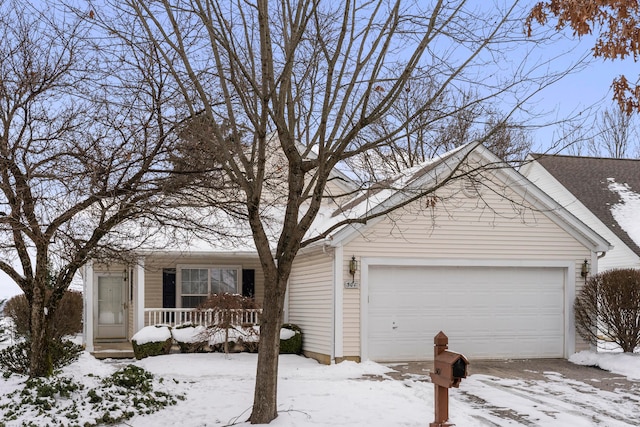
[(609, 188)]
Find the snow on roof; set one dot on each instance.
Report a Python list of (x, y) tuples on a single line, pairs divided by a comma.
[(626, 212), (376, 195), (233, 235)]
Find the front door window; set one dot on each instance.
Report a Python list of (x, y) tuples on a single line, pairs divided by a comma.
[(111, 307)]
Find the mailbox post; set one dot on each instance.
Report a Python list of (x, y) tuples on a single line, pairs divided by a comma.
[(449, 370)]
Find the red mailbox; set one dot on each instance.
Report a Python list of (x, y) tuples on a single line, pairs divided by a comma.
[(449, 369)]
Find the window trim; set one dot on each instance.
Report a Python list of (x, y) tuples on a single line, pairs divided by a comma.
[(180, 267)]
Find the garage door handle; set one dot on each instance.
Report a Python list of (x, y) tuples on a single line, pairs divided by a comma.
[(394, 326)]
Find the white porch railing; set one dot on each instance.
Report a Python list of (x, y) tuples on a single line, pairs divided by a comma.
[(178, 316)]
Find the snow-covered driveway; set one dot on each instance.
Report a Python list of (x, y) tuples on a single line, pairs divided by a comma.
[(540, 393)]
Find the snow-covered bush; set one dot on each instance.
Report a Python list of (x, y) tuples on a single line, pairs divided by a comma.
[(7, 329), (290, 339), (61, 400), (234, 339), (190, 339), (152, 341)]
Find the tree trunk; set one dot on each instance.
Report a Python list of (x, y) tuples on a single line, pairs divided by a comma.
[(40, 364), (266, 390)]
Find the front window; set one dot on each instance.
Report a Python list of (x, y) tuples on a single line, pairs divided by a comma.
[(198, 282)]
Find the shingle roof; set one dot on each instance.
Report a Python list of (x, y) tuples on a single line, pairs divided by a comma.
[(588, 179)]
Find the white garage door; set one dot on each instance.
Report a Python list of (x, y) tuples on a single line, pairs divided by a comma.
[(487, 312)]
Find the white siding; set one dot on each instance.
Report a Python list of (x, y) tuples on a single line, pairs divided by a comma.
[(311, 300), (495, 227)]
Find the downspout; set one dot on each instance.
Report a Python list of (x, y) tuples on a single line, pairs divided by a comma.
[(597, 264)]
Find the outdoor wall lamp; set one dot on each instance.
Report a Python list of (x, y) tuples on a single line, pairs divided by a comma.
[(585, 268), (353, 266)]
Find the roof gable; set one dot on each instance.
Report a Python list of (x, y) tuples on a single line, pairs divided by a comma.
[(434, 173), (604, 186)]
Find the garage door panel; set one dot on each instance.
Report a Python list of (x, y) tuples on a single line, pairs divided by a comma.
[(486, 311)]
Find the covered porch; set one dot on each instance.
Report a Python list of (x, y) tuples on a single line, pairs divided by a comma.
[(162, 288)]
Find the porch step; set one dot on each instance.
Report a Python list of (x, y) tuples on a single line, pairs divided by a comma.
[(115, 350), (114, 354)]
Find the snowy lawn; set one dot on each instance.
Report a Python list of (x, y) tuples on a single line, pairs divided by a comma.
[(218, 390)]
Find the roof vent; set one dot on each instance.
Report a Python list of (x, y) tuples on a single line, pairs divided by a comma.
[(471, 185)]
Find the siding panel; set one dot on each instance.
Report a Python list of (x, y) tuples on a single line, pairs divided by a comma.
[(311, 300)]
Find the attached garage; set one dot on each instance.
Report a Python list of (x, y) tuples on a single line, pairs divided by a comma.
[(487, 311), (495, 265)]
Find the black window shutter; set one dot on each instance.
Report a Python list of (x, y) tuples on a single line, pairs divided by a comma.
[(168, 288), (248, 283)]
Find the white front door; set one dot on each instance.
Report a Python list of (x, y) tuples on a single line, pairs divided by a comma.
[(110, 309)]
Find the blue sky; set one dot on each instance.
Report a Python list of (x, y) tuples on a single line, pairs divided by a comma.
[(583, 92)]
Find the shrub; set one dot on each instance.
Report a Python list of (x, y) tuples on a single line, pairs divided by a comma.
[(609, 306), (228, 314), (234, 339), (15, 359), (131, 377), (6, 329), (292, 345), (190, 339), (67, 319), (152, 341), (62, 401)]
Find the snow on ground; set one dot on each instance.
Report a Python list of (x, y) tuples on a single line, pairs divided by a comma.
[(219, 391), (621, 363)]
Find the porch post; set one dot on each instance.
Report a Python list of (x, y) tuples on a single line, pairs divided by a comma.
[(138, 322), (87, 327)]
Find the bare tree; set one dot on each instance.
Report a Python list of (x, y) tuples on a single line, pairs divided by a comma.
[(448, 122), (617, 134), (614, 135), (281, 93), (81, 153)]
